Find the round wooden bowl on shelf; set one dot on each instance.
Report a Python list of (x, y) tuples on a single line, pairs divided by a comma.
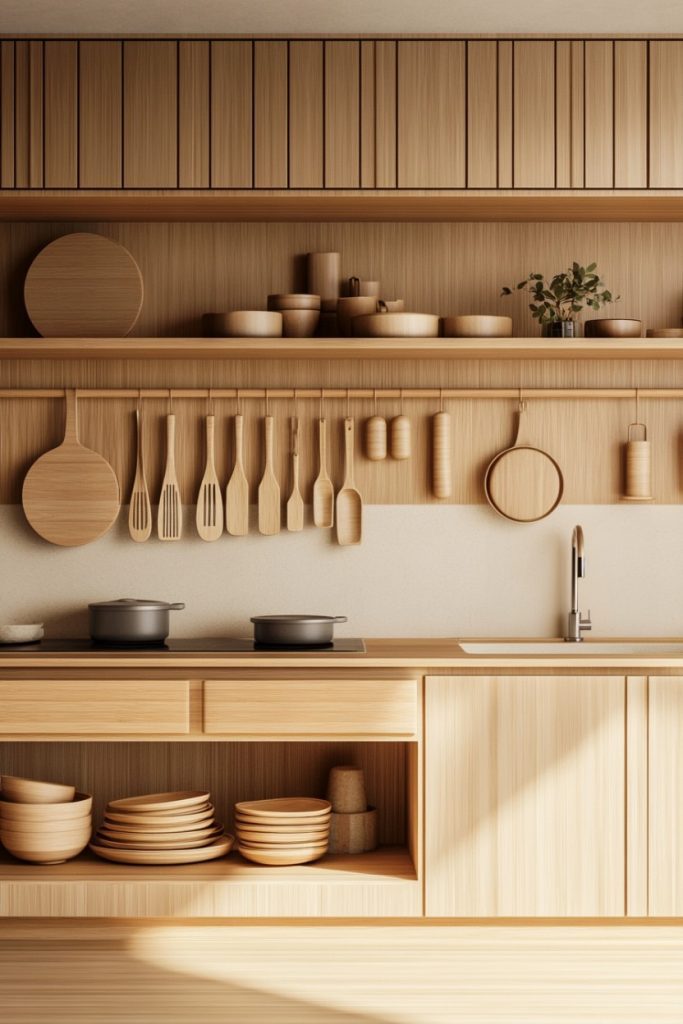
[(613, 328), (476, 326), (665, 332), (47, 847), (42, 828), (13, 813), (31, 791), (243, 323), (395, 325)]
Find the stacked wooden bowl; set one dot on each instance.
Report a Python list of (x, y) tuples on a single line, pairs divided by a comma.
[(43, 822), (161, 828), (288, 830), (300, 313)]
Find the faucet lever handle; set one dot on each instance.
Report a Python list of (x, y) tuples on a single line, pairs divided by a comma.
[(586, 623)]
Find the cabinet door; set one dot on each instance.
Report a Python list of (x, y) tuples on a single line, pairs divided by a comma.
[(534, 114), (665, 796), (150, 114), (666, 114), (525, 793)]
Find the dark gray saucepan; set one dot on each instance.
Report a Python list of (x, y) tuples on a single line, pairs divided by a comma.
[(295, 630), (130, 621)]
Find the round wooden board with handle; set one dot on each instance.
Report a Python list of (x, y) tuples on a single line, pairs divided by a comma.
[(71, 494), (83, 286)]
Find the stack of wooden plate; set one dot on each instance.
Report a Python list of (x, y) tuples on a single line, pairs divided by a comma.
[(161, 828), (289, 830)]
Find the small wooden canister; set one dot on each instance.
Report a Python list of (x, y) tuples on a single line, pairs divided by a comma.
[(346, 789), (324, 278), (364, 288), (638, 466)]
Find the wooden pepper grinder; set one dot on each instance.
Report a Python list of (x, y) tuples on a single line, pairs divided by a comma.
[(376, 437), (637, 463)]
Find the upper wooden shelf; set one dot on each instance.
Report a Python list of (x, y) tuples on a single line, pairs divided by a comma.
[(338, 348), (357, 206)]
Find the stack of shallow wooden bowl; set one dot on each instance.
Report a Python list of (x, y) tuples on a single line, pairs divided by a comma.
[(161, 828), (300, 313), (43, 822), (288, 830)]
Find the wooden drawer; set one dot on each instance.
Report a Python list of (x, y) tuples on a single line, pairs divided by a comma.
[(311, 707), (122, 707)]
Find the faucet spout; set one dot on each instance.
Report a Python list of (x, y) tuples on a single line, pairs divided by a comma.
[(577, 624)]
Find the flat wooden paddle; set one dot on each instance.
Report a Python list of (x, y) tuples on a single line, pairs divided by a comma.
[(237, 491), (295, 504), (323, 491), (71, 494), (349, 502), (269, 512)]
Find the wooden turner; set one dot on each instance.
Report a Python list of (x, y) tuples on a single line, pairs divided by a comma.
[(323, 491), (295, 505), (140, 511), (210, 499), (170, 515), (349, 501), (237, 492), (269, 489)]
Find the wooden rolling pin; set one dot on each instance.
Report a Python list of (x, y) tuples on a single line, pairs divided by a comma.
[(441, 455)]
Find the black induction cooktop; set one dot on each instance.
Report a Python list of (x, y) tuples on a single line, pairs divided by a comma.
[(210, 645)]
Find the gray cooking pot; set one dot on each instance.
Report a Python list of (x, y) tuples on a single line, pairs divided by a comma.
[(130, 621), (295, 630)]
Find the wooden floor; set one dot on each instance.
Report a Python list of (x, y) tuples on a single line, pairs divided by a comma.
[(100, 973)]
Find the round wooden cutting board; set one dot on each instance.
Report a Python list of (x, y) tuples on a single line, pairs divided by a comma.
[(83, 286)]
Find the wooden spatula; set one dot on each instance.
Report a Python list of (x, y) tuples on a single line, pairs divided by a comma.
[(269, 489), (295, 505), (210, 499), (170, 516), (349, 502), (323, 491), (237, 493), (140, 511)]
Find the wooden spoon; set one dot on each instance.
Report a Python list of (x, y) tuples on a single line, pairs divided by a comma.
[(140, 511), (295, 505), (349, 501), (269, 489), (170, 514), (323, 491), (237, 493), (71, 494), (210, 500)]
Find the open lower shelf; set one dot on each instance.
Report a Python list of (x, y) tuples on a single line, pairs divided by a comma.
[(383, 883), (340, 348)]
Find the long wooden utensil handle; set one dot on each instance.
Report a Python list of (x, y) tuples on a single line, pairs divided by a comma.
[(138, 427), (269, 442), (349, 441), (210, 434), (322, 442), (170, 440), (441, 455), (71, 425), (239, 436)]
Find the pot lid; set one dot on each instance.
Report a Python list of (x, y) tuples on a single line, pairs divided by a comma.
[(298, 618), (133, 603)]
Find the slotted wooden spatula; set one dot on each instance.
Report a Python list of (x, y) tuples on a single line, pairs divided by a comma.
[(237, 492), (269, 489), (295, 504), (140, 511), (210, 499), (170, 516)]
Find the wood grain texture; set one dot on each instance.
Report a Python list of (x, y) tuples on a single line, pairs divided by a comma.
[(577, 112), (342, 114), (599, 118), (385, 114), (100, 114), (368, 115), (61, 114), (630, 114), (271, 116), (525, 796), (150, 114), (482, 114), (431, 114), (534, 114), (6, 114), (36, 113), (22, 107), (505, 114), (314, 707), (306, 104), (231, 114), (637, 796), (665, 781), (666, 114), (563, 113), (193, 114)]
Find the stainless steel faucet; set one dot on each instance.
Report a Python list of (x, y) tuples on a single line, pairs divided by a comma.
[(576, 624)]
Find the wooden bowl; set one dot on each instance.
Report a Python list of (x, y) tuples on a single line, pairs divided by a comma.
[(243, 323), (79, 807), (395, 325), (665, 332), (610, 328), (46, 849), (284, 856), (471, 326), (30, 791), (293, 301), (46, 828), (299, 323)]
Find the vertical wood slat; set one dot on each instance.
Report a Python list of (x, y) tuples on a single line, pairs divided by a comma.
[(505, 115), (482, 114), (99, 114), (270, 114), (534, 114), (21, 114), (636, 796), (665, 791), (431, 114), (577, 109), (150, 114), (193, 114), (342, 114), (36, 114), (231, 114), (385, 114), (367, 114), (666, 114), (563, 112), (630, 114), (599, 119), (6, 114), (61, 114), (306, 114)]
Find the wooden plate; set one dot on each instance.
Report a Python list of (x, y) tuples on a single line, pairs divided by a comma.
[(159, 801), (280, 858), (218, 848), (277, 847), (281, 835), (161, 837), (83, 285), (257, 821), (177, 844), (284, 807), (154, 821)]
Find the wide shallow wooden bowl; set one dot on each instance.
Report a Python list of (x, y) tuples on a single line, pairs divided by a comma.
[(46, 849), (665, 332), (284, 807), (292, 300), (31, 791), (160, 802), (275, 847), (216, 849), (157, 820), (243, 323), (79, 807), (161, 838), (611, 328), (46, 828), (284, 856), (395, 325), (475, 326)]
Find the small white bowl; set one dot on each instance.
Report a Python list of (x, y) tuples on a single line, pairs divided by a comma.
[(20, 634)]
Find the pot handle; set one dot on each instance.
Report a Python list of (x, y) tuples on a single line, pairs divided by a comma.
[(339, 618), (177, 607)]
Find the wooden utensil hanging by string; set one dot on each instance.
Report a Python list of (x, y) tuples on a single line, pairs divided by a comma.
[(209, 516), (637, 467), (237, 491), (170, 512), (441, 454), (269, 512), (323, 491), (376, 437), (349, 501), (140, 511), (71, 494), (400, 436), (295, 504)]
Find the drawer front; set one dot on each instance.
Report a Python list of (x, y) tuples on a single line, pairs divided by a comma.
[(305, 707), (122, 707)]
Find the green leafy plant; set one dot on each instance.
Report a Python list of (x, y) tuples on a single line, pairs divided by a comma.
[(565, 295)]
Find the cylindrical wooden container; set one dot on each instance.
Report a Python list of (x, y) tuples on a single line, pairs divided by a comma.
[(324, 278), (638, 466), (401, 445), (376, 438), (346, 789), (350, 306), (353, 833), (364, 288), (441, 455)]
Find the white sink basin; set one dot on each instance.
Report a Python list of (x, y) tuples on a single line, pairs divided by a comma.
[(586, 648)]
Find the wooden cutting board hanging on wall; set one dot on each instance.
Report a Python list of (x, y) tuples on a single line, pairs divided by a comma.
[(83, 285)]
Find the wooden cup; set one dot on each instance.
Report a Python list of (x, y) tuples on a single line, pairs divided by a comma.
[(350, 306), (324, 278), (353, 833), (638, 467), (346, 789)]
